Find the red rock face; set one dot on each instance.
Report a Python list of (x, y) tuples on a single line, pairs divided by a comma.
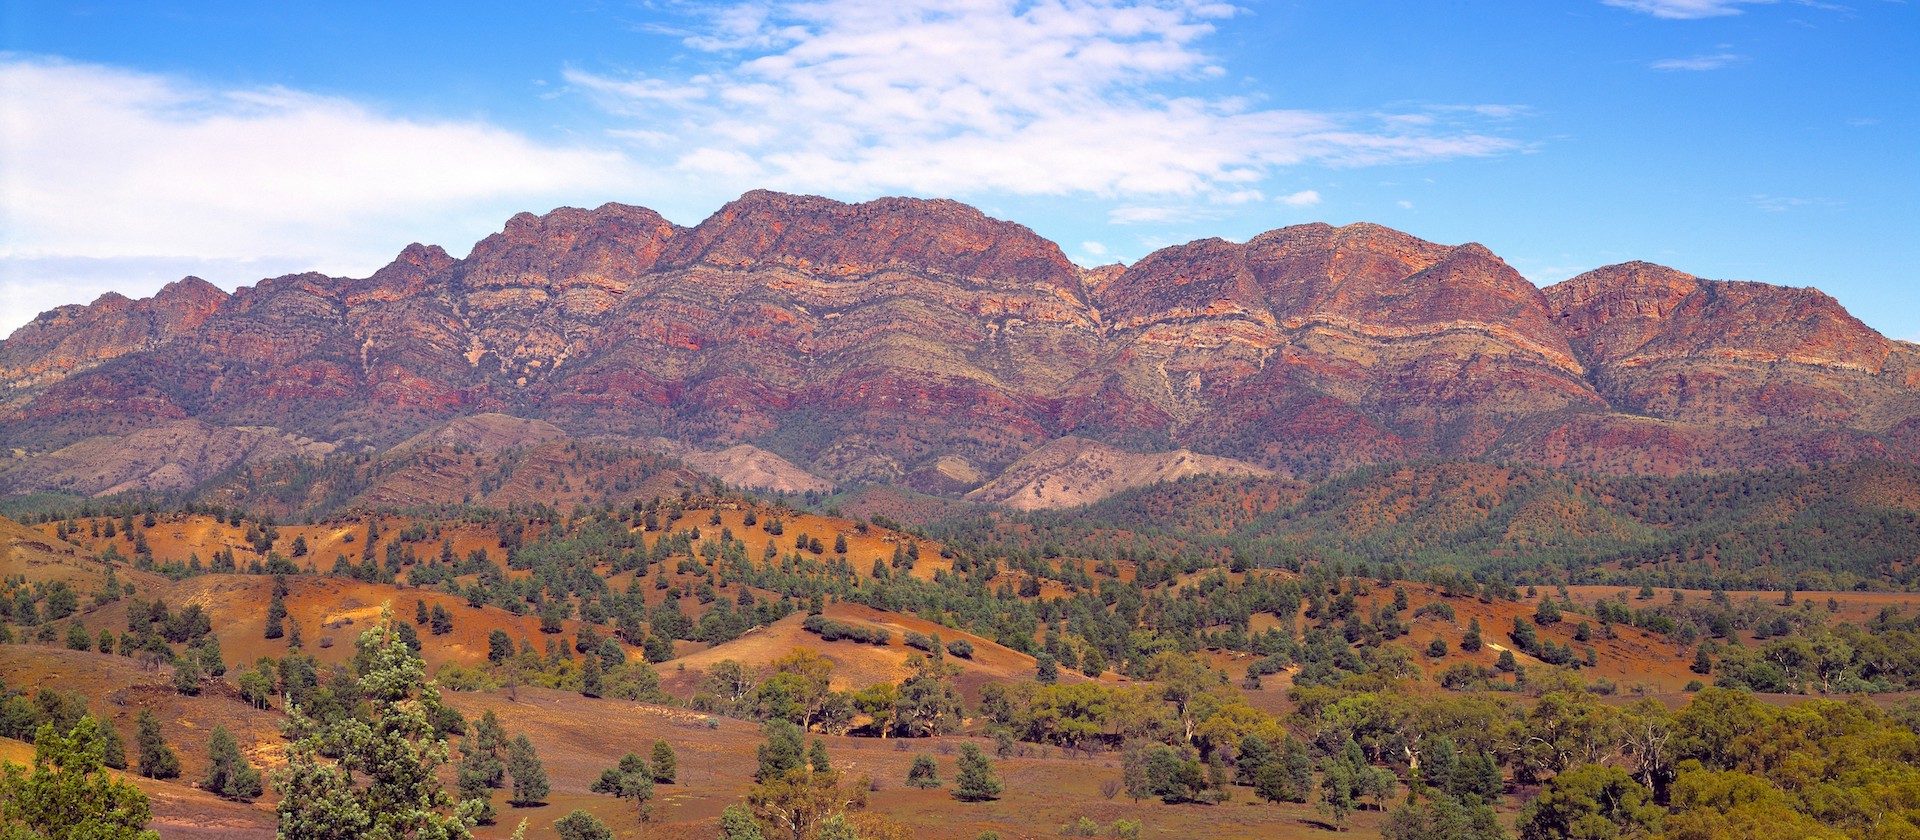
[(72, 339), (1314, 348), (871, 341), (1731, 355)]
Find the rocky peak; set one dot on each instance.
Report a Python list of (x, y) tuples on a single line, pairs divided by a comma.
[(1205, 277), (825, 237), (567, 227), (406, 276), (1470, 285), (1318, 268), (188, 301), (605, 248), (1637, 312), (1609, 312), (70, 339)]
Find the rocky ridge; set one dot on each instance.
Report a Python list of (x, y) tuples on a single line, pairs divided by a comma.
[(925, 344)]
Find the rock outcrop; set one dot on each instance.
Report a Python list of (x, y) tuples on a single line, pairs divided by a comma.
[(1073, 471)]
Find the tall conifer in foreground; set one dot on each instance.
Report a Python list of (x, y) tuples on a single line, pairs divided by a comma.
[(67, 795), (384, 783)]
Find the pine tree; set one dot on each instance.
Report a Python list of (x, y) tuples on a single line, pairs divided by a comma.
[(666, 767), (1506, 662), (817, 757), (186, 675), (780, 752), (157, 760), (632, 779), (1471, 641), (212, 662), (925, 773), (440, 621), (383, 782), (658, 648), (592, 678), (1288, 777), (530, 785), (420, 612), (489, 741), (476, 775), (499, 646), (229, 774), (113, 750), (1255, 753), (737, 823), (581, 825), (1046, 670), (67, 796), (276, 616), (975, 781)]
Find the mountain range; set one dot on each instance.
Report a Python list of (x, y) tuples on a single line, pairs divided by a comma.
[(924, 344)]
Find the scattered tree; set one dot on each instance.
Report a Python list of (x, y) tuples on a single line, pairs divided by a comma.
[(581, 825), (530, 786), (229, 774), (632, 779), (924, 774), (780, 752), (665, 764), (975, 781), (276, 616), (157, 760)]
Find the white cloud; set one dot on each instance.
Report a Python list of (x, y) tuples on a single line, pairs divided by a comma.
[(1050, 97), (1699, 62), (1135, 214), (1685, 9), (1094, 248), (1405, 204), (1303, 198), (111, 164)]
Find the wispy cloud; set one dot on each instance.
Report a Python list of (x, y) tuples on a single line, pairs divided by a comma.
[(1714, 61), (1686, 9), (1303, 198), (1784, 203), (1053, 97), (111, 164)]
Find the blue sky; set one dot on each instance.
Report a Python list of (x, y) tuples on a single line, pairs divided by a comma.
[(1733, 139)]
